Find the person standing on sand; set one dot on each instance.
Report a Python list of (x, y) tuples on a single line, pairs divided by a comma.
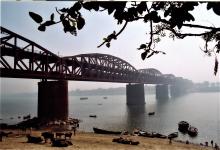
[(212, 143), (170, 140), (74, 129)]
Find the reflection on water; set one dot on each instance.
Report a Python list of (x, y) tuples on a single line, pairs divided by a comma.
[(136, 117), (201, 110)]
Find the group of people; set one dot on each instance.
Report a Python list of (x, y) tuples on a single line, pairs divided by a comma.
[(215, 146)]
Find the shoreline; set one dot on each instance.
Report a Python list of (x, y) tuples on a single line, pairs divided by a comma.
[(90, 140)]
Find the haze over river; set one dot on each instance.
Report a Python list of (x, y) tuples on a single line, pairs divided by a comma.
[(201, 110)]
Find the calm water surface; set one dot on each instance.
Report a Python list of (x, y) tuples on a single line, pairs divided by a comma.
[(201, 110)]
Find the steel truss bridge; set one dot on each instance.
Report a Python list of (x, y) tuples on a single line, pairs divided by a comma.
[(23, 58)]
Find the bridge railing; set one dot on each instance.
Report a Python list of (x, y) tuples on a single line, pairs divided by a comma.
[(20, 55)]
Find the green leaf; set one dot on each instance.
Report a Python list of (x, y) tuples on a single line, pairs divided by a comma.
[(37, 18), (62, 17), (77, 6), (167, 12), (146, 17), (52, 17), (108, 44), (189, 17), (141, 7), (42, 28), (91, 5), (209, 5), (143, 55), (216, 9), (142, 46), (64, 10), (80, 23), (110, 10), (179, 25)]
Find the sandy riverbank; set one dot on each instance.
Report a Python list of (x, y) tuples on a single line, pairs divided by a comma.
[(85, 140)]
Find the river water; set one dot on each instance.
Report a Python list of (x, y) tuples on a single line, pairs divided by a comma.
[(201, 110)]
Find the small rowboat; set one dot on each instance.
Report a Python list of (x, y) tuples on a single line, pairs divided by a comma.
[(92, 116), (192, 131), (83, 98), (183, 126), (151, 113), (173, 135), (102, 131)]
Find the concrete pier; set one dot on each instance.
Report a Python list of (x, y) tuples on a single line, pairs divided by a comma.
[(176, 90), (53, 100), (162, 91), (135, 94)]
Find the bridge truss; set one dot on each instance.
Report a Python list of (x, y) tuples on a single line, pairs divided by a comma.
[(23, 58)]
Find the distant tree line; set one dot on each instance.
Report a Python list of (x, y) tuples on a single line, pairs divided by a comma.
[(109, 91), (207, 87)]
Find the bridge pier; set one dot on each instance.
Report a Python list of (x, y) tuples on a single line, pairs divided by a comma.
[(53, 100), (162, 91), (175, 90), (135, 94)]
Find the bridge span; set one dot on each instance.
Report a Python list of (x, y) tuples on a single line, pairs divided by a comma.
[(23, 58)]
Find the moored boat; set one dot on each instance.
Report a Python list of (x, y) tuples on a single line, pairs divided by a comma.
[(173, 135), (146, 134), (192, 131), (92, 116), (151, 113), (158, 135), (183, 126), (102, 131), (83, 98)]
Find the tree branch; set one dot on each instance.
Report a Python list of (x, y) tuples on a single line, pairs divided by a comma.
[(151, 31), (181, 35), (188, 25), (116, 35)]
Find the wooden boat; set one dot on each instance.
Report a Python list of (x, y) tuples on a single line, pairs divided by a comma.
[(192, 131), (183, 126), (83, 98), (173, 135), (146, 134), (158, 135), (101, 131), (93, 116), (151, 113)]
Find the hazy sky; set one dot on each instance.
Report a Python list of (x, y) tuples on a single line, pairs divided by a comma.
[(184, 57)]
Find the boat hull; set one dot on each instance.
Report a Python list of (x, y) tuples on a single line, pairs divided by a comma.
[(192, 131), (101, 131), (183, 126)]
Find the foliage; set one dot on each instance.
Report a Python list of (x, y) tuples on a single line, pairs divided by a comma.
[(164, 19)]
